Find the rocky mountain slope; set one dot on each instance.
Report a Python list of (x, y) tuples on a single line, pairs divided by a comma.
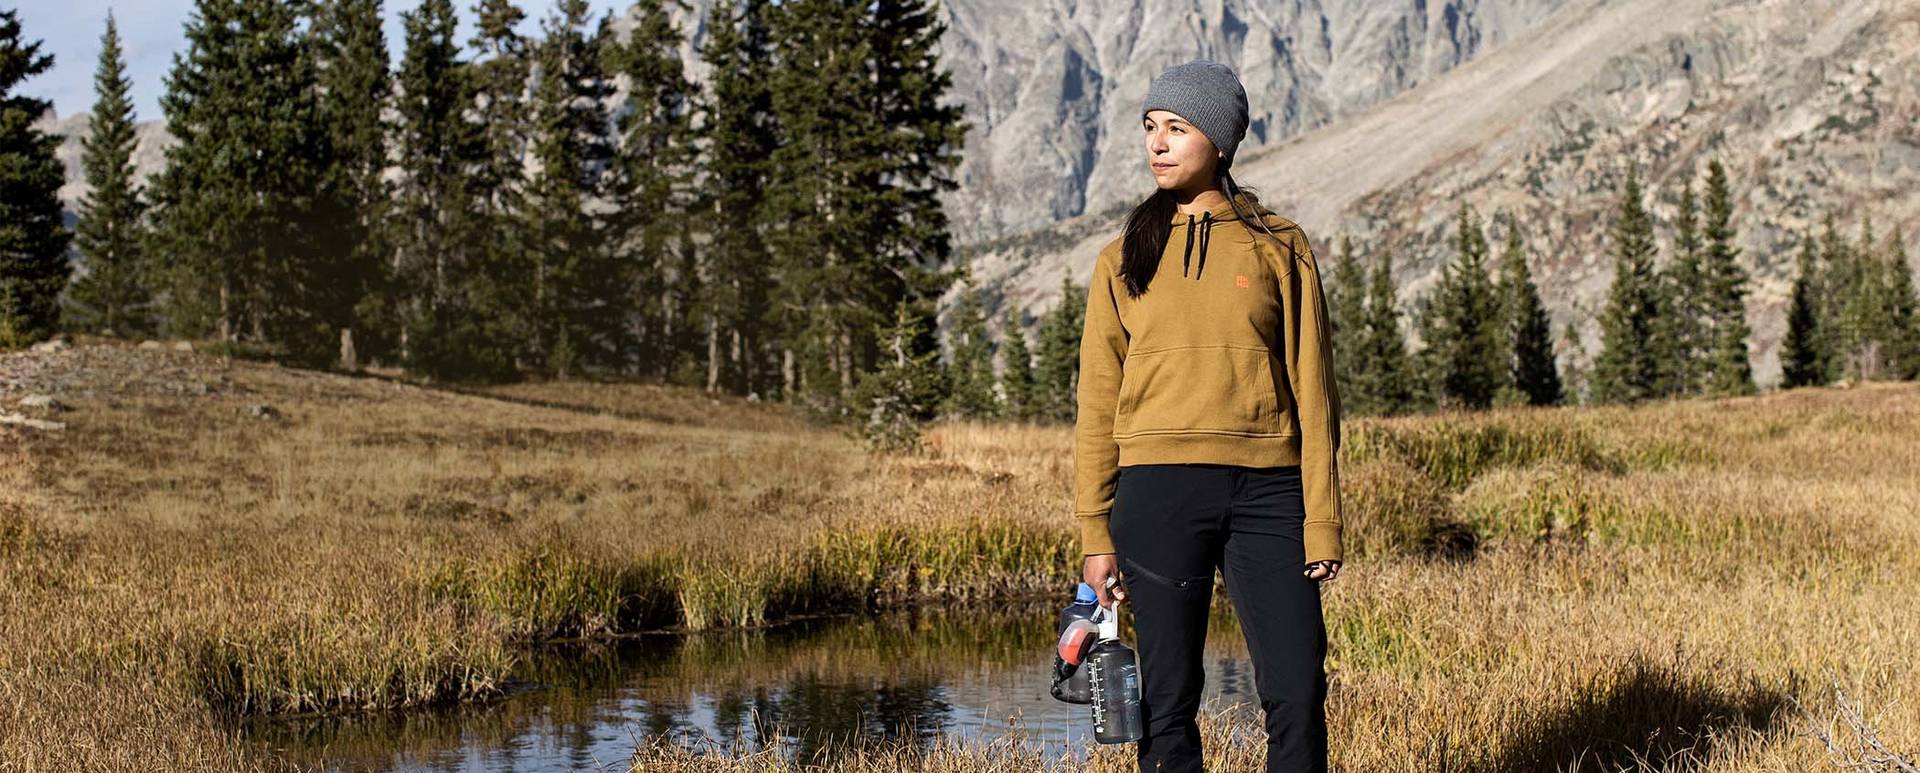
[(1054, 88), (1812, 104)]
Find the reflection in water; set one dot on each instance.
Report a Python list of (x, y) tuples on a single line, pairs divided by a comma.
[(812, 689)]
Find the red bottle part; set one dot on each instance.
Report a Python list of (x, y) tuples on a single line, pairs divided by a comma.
[(1077, 640)]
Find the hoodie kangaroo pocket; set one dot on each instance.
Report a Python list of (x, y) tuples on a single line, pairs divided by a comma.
[(1224, 388)]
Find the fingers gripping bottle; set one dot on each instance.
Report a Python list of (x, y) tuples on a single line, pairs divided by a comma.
[(1113, 681), (1077, 634)]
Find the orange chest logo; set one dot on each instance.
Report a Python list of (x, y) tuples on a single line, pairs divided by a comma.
[(1240, 280)]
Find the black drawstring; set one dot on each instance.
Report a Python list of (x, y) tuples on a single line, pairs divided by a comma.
[(1206, 225), (1206, 232)]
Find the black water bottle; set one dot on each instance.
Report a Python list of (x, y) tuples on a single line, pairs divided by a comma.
[(1113, 679)]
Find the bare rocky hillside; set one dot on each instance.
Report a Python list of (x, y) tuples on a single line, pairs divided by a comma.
[(1812, 104)]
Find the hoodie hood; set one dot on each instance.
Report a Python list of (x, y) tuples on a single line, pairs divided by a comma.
[(1200, 228)]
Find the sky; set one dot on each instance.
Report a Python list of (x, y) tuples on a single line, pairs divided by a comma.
[(150, 34)]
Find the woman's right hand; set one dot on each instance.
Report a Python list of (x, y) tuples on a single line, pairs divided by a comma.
[(1097, 571)]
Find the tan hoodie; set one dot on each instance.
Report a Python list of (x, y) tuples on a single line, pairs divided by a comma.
[(1226, 358)]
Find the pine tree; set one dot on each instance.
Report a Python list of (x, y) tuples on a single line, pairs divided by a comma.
[(498, 77), (205, 261), (821, 91), (1730, 368), (1505, 309), (866, 147), (1462, 322), (1016, 368), (1902, 333), (114, 295), (235, 208), (970, 366), (1802, 356), (355, 87), (437, 264), (1347, 301), (1627, 369), (33, 239), (649, 185), (739, 137), (575, 299), (1838, 279), (1680, 335), (1383, 380), (1057, 375), (433, 140), (1529, 333), (1863, 309), (900, 394), (922, 133), (501, 69), (1574, 374)]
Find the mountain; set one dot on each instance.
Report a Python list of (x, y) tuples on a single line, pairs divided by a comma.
[(1812, 104)]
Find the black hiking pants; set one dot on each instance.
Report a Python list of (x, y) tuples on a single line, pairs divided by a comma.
[(1172, 525)]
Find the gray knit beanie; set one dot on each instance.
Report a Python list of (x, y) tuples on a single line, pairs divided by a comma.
[(1209, 96)]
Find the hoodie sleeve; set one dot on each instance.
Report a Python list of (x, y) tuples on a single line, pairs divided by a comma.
[(1096, 457), (1309, 350)]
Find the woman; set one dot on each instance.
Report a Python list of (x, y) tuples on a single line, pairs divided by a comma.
[(1208, 423)]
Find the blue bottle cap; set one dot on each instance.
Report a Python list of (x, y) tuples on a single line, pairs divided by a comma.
[(1085, 595)]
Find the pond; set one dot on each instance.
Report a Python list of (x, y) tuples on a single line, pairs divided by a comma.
[(812, 688)]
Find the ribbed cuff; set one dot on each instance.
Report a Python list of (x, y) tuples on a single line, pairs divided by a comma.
[(1323, 541), (1094, 538)]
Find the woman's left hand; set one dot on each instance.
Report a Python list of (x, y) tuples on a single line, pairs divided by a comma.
[(1322, 571)]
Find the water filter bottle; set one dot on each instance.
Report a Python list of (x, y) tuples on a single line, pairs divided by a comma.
[(1077, 634), (1113, 679)]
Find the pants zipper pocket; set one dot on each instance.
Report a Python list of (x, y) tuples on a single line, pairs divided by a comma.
[(1134, 566)]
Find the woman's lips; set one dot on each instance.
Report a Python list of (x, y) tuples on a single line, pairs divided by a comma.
[(1163, 166)]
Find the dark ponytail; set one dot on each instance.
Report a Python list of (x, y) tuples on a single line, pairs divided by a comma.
[(1151, 222), (1146, 235)]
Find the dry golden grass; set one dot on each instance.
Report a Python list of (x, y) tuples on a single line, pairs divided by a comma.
[(1528, 589)]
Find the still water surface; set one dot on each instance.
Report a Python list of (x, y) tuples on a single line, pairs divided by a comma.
[(813, 688)]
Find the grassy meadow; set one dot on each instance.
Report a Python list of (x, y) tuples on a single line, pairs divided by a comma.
[(1713, 585)]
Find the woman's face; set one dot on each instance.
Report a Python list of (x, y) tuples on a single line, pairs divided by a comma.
[(1179, 156)]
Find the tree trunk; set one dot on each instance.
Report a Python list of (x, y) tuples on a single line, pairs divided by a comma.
[(742, 380), (846, 361), (348, 362), (713, 354), (226, 315), (786, 373)]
